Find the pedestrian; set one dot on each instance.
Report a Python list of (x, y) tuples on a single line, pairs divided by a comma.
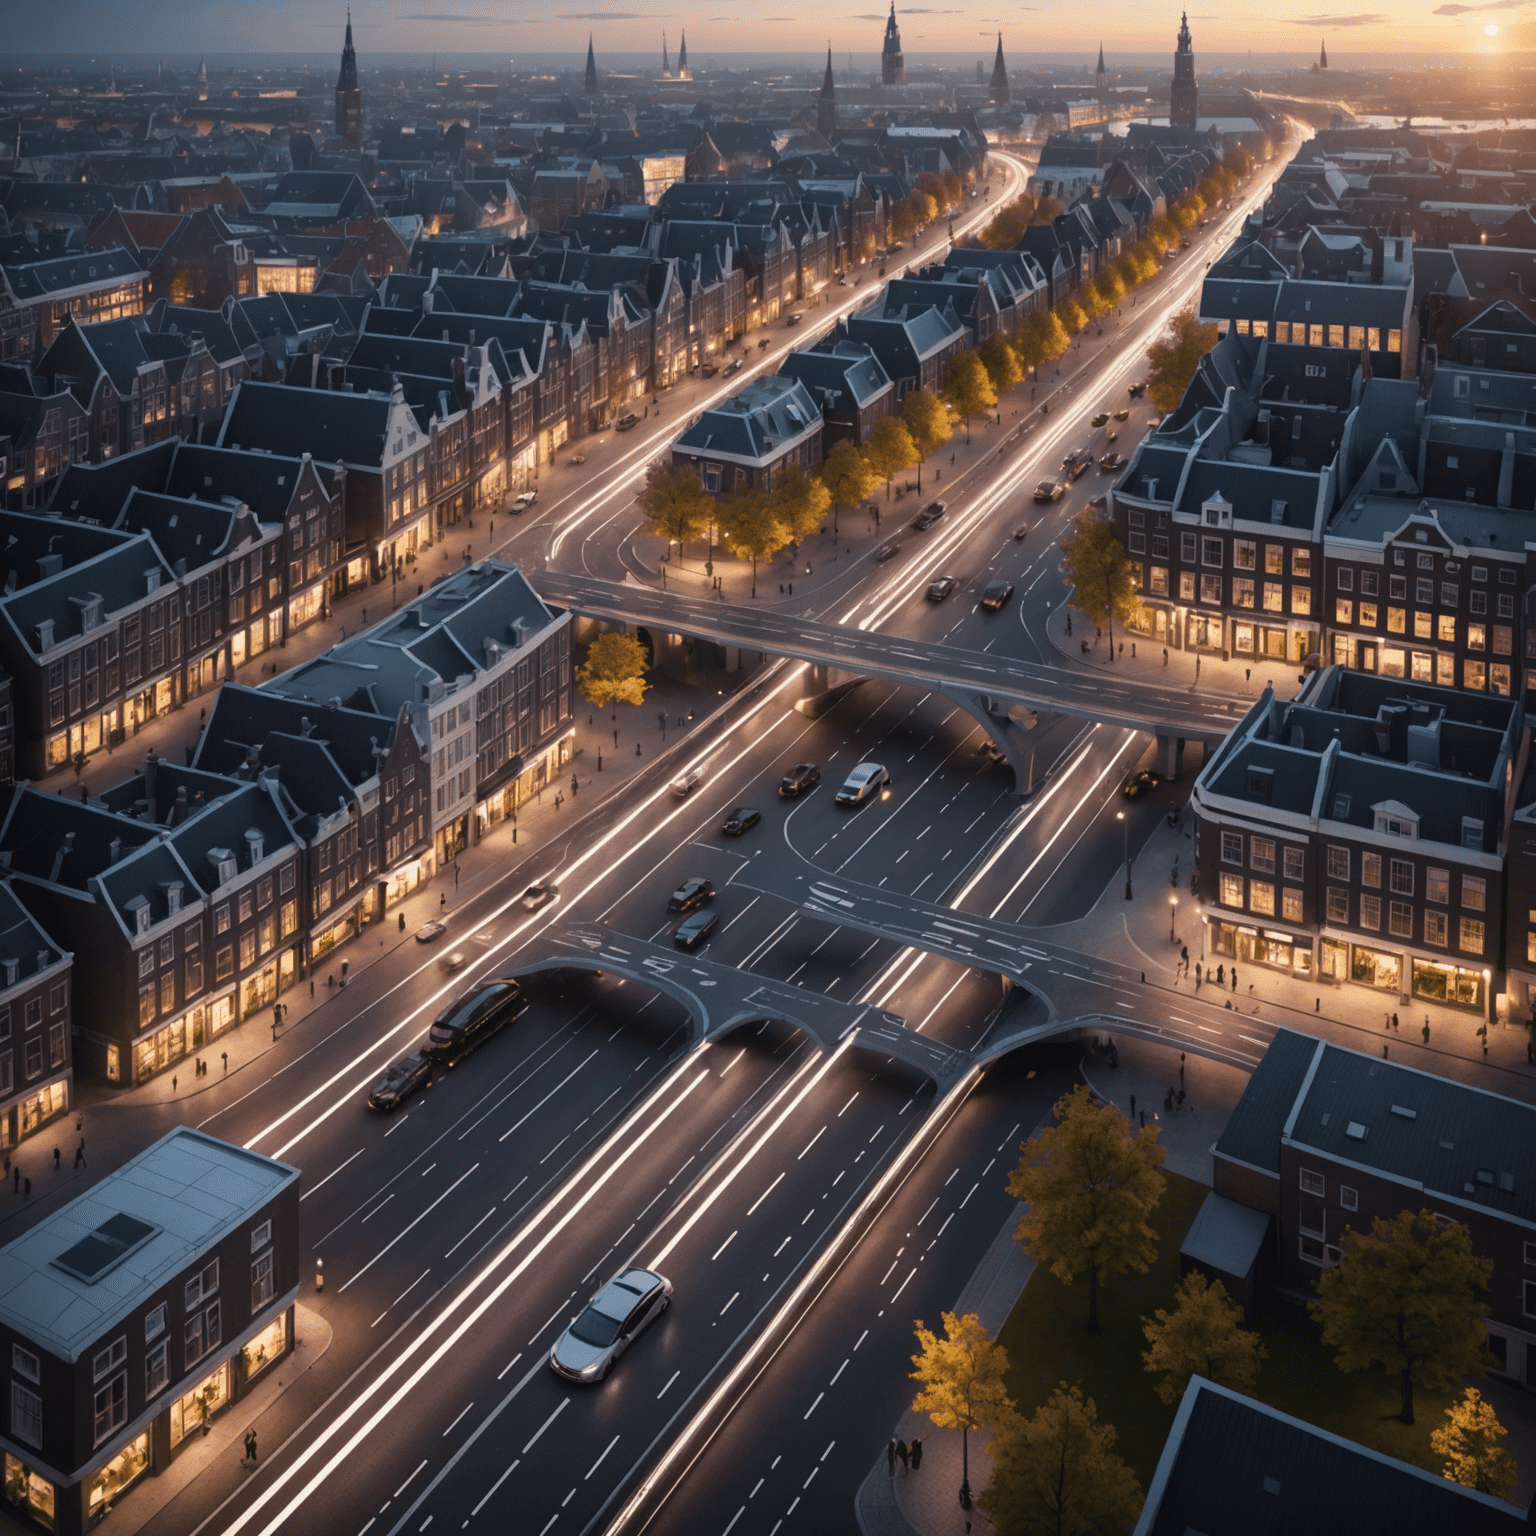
[(1184, 957), (225, 1055), (890, 1459), (1133, 1106), (1181, 1069), (1143, 1119), (574, 785), (250, 1446), (442, 902), (1394, 1023), (1317, 1005), (917, 1454), (1168, 1101), (1386, 1019), (1426, 1038), (1221, 975), (1178, 1101), (1197, 975), (173, 1085), (903, 1454), (1165, 655), (1383, 1053), (1234, 978), (80, 1161)]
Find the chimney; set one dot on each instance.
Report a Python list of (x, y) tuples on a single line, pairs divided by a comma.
[(305, 726), (115, 850), (253, 846), (44, 636)]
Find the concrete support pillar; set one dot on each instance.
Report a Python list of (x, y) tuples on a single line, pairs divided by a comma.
[(733, 658), (817, 679), (1170, 756)]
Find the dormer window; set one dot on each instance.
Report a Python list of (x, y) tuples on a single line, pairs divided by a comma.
[(12, 971), (1395, 819), (139, 914), (173, 897), (1472, 833)]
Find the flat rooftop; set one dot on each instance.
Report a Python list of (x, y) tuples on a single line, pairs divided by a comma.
[(132, 1232)]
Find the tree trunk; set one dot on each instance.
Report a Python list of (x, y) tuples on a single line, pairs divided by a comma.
[(1109, 619), (1407, 1385), (1093, 1301), (754, 575)]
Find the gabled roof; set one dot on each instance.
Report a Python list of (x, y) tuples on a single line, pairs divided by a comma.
[(328, 424), (65, 275), (756, 424)]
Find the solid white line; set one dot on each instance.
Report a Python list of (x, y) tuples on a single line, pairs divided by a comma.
[(465, 1409), (565, 1403), (752, 1209), (596, 1464), (721, 1249), (331, 1175)]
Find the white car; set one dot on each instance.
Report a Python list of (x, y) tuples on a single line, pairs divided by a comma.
[(686, 782), (522, 502), (865, 782), (613, 1320)]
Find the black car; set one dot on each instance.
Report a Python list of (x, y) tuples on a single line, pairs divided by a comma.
[(690, 894), (627, 422), (1113, 461), (740, 819), (888, 552), (692, 931), (1140, 783), (473, 1019), (801, 777), (1049, 490), (940, 589), (1077, 465), (929, 515), (996, 593), (401, 1081)]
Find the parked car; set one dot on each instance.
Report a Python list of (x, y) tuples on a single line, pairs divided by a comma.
[(612, 1321), (524, 500), (709, 370), (577, 458), (1140, 783), (740, 820), (888, 552), (996, 593), (693, 930), (929, 515), (1123, 414), (686, 782), (1021, 532), (799, 779), (690, 894), (1113, 461), (866, 780), (626, 422), (732, 368), (400, 1081), (430, 931), (794, 319), (939, 589), (539, 895), (1049, 490), (1136, 390), (1099, 420), (471, 1020)]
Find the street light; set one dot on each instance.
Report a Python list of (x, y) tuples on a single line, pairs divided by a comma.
[(1120, 817), (1173, 912)]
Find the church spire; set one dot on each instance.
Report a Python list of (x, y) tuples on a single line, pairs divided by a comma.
[(826, 106), (683, 71), (591, 76), (1322, 63), (998, 89), (666, 68), (349, 95), (892, 66)]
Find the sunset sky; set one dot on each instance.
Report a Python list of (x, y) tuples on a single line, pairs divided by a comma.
[(1131, 31)]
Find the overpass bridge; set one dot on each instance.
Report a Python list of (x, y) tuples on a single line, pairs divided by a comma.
[(1000, 693)]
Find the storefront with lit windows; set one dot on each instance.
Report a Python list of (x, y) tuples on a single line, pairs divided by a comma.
[(501, 802), (210, 1309), (197, 1027), (1273, 947)]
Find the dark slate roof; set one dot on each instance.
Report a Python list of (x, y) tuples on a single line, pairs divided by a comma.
[(211, 324), (476, 295), (1455, 1141), (265, 482), (22, 940), (1253, 490), (244, 718), (1232, 1464), (38, 280), (755, 423), (1293, 787), (1253, 1131), (848, 366), (184, 530), (96, 492), (329, 424)]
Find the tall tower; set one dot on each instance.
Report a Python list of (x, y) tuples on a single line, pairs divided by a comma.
[(1101, 76), (1322, 63), (666, 68), (349, 95), (683, 72), (591, 78), (202, 80), (998, 89), (1184, 97), (826, 105), (892, 68)]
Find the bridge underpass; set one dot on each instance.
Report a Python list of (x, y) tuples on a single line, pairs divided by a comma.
[(722, 998), (1001, 694)]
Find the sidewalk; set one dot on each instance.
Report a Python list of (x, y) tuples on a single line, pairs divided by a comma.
[(1140, 658), (311, 1338), (1355, 1016)]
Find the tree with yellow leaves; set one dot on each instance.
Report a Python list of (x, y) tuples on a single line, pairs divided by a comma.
[(1469, 1441), (962, 1382), (1202, 1336), (928, 424), (1058, 1474), (614, 672), (1090, 1184)]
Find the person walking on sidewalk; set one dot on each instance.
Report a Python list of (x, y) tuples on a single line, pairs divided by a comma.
[(903, 1454), (80, 1161), (890, 1459), (250, 1448), (917, 1454)]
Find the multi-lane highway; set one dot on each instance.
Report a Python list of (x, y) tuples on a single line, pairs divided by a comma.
[(774, 1178)]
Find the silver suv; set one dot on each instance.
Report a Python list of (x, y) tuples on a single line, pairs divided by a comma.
[(587, 1350)]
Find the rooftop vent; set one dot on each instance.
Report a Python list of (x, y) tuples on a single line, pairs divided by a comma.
[(1272, 1486), (1355, 1131), (1507, 1183), (101, 1251), (1405, 1112), (1485, 1175)]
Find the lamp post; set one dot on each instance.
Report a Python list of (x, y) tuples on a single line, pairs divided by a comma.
[(1173, 912), (1120, 817)]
